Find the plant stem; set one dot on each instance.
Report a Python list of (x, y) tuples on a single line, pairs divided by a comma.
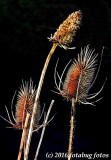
[(23, 136), (71, 129), (43, 130), (37, 98)]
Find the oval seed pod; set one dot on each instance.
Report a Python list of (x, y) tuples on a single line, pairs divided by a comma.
[(64, 34)]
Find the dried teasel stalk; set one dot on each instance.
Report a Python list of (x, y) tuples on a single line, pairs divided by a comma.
[(64, 34), (23, 112), (79, 79)]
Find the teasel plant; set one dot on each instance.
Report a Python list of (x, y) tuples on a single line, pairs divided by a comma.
[(23, 113), (62, 37), (80, 78)]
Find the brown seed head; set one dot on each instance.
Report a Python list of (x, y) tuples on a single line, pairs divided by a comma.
[(25, 102), (64, 34), (80, 77)]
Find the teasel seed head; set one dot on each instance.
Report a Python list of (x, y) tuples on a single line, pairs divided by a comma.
[(25, 102), (24, 105), (64, 34), (80, 77)]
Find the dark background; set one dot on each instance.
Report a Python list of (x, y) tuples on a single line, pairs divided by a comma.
[(24, 28)]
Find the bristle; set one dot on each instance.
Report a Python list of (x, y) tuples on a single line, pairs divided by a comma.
[(64, 34)]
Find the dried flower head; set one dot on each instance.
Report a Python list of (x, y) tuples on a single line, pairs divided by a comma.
[(64, 34), (25, 102), (24, 105), (80, 77)]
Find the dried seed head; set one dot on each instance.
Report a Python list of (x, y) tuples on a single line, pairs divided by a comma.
[(64, 34), (80, 77), (25, 102)]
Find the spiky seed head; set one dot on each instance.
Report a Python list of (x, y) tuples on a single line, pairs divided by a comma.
[(64, 34), (80, 77), (25, 102), (24, 105)]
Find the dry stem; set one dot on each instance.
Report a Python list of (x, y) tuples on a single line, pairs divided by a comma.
[(71, 129), (43, 130), (23, 136), (37, 99)]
